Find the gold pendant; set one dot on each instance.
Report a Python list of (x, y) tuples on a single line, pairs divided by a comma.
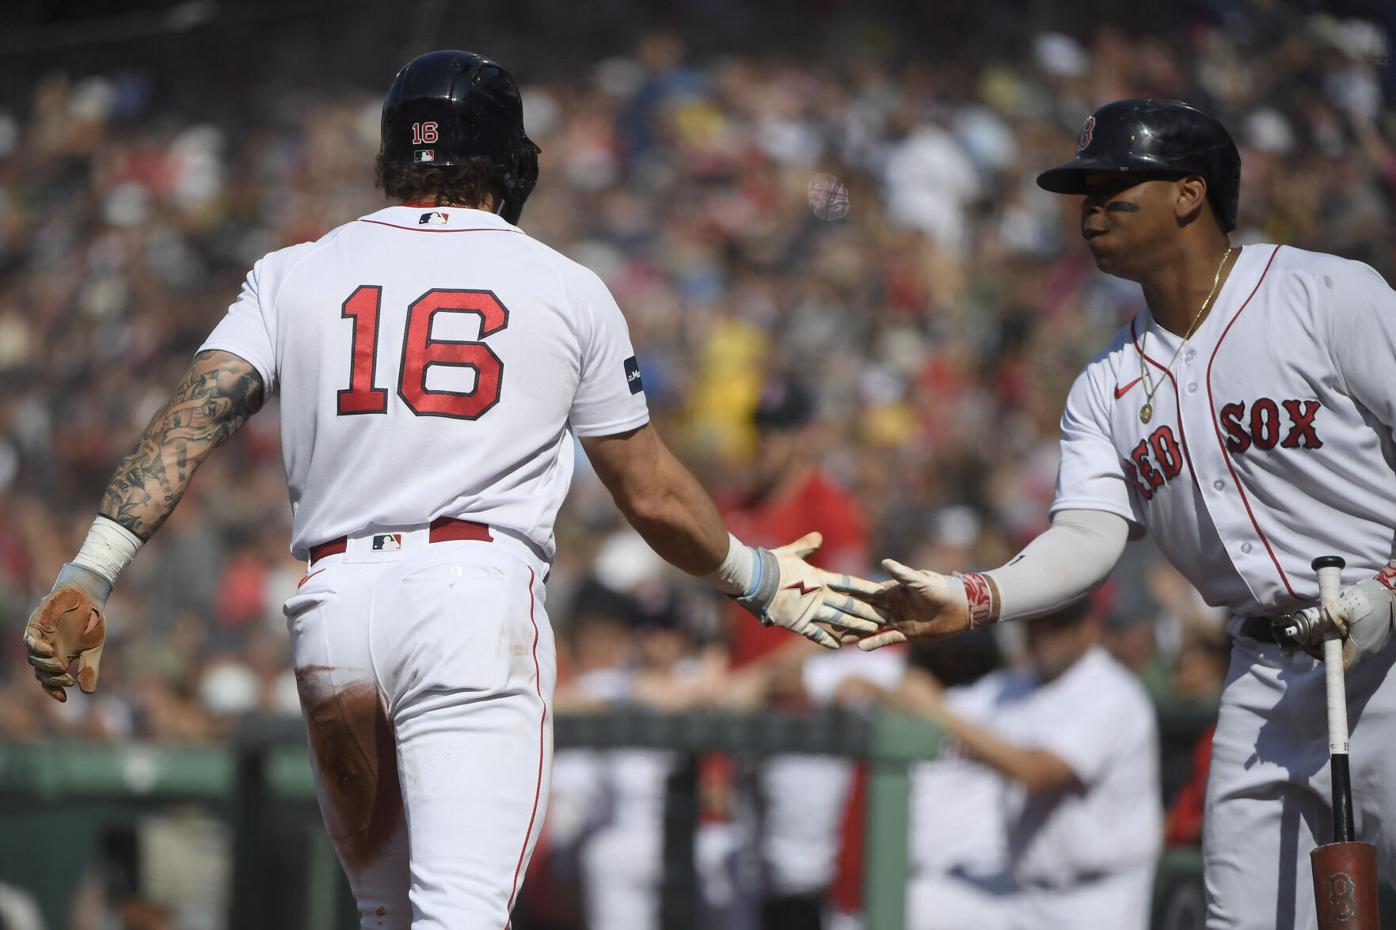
[(1146, 413)]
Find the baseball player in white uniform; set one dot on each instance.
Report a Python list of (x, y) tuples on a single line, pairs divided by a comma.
[(434, 364), (1074, 735), (1245, 419)]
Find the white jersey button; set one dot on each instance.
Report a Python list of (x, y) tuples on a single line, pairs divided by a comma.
[(1189, 355), (1246, 548), (1192, 387), (1219, 485)]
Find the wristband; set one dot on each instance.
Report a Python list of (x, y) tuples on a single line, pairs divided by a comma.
[(764, 585), (108, 549), (982, 596), (734, 576), (1387, 577)]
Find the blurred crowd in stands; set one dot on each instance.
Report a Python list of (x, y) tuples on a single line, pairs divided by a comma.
[(854, 312)]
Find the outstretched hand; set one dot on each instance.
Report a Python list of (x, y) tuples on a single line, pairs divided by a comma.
[(800, 598), (912, 604)]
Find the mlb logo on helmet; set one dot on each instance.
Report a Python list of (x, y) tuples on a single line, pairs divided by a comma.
[(387, 542), (1087, 132), (424, 155)]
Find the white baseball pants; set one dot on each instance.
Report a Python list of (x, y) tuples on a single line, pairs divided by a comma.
[(426, 677), (1268, 791)]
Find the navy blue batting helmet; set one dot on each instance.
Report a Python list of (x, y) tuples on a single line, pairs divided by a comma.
[(1153, 135), (447, 106)]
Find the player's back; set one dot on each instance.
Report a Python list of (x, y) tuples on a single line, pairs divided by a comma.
[(430, 361)]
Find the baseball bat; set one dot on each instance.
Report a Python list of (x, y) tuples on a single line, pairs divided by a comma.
[(1345, 871)]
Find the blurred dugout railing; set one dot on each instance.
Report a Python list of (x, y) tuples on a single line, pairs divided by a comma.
[(248, 811)]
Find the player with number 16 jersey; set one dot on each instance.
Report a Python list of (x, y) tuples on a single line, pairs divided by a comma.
[(434, 365), (460, 343)]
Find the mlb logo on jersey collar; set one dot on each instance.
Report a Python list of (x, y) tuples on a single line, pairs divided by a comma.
[(434, 218)]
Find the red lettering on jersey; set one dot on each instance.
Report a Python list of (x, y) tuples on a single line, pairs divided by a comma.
[(361, 396), (1301, 425), (1265, 423), (420, 351), (1166, 450), (1133, 474), (1147, 474), (1237, 439), (1264, 419)]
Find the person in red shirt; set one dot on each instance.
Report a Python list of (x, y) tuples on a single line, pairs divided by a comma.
[(800, 830), (790, 494)]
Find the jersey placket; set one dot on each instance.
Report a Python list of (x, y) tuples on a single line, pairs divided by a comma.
[(1218, 482)]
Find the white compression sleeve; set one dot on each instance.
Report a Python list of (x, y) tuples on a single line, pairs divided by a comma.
[(1073, 556)]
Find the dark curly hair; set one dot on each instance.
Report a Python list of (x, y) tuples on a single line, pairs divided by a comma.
[(470, 183)]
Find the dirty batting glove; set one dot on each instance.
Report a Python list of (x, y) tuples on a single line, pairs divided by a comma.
[(69, 624)]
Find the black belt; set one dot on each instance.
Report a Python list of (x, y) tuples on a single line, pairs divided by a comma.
[(1259, 629), (1262, 630)]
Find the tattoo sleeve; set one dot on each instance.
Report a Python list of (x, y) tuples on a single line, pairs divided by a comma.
[(217, 395)]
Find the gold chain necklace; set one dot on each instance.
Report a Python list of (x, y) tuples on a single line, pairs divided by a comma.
[(1146, 412)]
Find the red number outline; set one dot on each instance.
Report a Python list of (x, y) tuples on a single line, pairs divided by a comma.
[(361, 397), (420, 351)]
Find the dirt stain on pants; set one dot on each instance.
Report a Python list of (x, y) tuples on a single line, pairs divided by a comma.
[(354, 747)]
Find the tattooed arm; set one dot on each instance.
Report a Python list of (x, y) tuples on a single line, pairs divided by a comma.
[(216, 397), (218, 394)]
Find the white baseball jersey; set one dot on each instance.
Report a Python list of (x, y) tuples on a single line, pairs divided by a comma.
[(432, 362), (969, 833), (1271, 436), (1097, 719)]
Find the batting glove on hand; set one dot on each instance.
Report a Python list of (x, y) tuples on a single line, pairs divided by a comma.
[(1365, 615), (69, 623), (789, 592), (914, 603)]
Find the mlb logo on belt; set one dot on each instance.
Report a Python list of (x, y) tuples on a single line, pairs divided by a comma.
[(387, 542)]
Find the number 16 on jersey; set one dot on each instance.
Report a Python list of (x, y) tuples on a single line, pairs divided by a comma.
[(420, 351)]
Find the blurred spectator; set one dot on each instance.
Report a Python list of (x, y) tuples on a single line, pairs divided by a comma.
[(1074, 734), (959, 850), (632, 649)]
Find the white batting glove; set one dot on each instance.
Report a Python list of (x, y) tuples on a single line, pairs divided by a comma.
[(787, 591), (913, 604), (1365, 615)]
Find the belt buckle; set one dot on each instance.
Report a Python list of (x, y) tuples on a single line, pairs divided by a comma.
[(1287, 631)]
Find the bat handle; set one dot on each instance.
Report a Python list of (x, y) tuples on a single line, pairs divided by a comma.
[(1329, 569)]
